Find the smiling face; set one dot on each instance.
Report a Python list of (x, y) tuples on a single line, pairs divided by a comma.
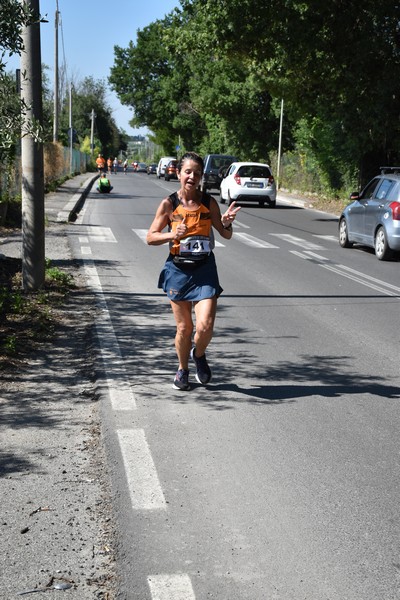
[(190, 174)]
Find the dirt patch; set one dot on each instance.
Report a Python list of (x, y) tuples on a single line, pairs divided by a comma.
[(57, 524)]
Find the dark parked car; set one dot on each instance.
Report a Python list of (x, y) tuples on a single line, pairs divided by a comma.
[(373, 217), (152, 169), (213, 167), (171, 171)]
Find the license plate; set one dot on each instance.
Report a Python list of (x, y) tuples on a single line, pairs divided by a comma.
[(254, 185)]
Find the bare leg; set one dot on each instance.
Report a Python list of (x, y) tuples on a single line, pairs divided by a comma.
[(205, 311), (182, 311)]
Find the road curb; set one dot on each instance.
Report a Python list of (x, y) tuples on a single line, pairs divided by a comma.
[(70, 210)]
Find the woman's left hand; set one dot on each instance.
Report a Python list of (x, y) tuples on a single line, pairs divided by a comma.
[(230, 215)]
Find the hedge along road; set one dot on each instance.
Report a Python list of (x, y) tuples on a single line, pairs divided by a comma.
[(280, 478)]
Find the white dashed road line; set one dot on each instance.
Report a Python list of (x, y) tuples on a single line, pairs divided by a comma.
[(291, 239), (252, 241), (170, 587), (101, 234), (143, 483)]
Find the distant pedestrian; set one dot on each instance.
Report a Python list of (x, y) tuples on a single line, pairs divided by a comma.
[(100, 163), (109, 164), (115, 165), (125, 166)]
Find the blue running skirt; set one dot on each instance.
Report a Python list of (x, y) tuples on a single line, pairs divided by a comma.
[(191, 283)]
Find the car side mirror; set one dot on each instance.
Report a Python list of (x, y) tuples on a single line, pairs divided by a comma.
[(354, 196)]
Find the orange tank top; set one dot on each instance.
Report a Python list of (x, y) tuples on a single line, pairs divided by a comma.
[(199, 238)]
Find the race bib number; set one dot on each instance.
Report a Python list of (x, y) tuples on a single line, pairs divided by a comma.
[(195, 246)]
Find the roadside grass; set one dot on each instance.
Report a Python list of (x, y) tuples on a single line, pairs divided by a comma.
[(28, 318)]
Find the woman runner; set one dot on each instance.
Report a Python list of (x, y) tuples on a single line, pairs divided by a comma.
[(190, 277)]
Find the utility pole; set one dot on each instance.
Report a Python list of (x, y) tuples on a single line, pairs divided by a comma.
[(56, 84), (278, 168), (71, 133), (92, 117), (32, 165)]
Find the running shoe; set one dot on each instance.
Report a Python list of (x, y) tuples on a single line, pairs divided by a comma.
[(203, 371), (181, 381)]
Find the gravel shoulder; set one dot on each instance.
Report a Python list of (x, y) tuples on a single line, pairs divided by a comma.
[(56, 518)]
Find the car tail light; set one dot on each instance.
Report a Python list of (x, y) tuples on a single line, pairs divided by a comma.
[(395, 206), (237, 179), (270, 180)]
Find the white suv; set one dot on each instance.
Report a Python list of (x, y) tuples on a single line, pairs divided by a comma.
[(248, 181)]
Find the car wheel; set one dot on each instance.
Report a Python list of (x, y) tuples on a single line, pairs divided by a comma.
[(166, 178), (382, 250), (261, 203), (272, 204), (343, 234), (230, 199)]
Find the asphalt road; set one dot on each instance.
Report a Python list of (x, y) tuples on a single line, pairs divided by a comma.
[(280, 480)]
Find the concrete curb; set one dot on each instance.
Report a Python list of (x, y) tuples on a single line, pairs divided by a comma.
[(70, 210)]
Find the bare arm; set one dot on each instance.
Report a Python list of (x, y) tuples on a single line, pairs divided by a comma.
[(223, 223)]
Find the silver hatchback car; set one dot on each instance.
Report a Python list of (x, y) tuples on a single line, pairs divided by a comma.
[(247, 181), (373, 217)]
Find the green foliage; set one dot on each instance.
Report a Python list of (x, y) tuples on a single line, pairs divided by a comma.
[(85, 146), (13, 15), (55, 274), (222, 67), (10, 344), (87, 95)]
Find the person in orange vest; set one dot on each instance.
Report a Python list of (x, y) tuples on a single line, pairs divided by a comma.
[(101, 163), (109, 164)]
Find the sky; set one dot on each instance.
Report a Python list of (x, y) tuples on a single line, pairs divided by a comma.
[(89, 30)]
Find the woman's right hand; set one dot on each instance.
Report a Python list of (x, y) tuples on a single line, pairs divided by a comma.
[(181, 230)]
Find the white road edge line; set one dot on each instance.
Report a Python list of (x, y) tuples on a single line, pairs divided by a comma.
[(360, 280), (171, 587), (119, 389), (379, 281), (300, 255), (318, 256), (143, 483)]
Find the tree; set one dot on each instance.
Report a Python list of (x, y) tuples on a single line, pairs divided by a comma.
[(225, 65), (13, 15), (335, 64), (154, 82), (205, 98), (87, 95)]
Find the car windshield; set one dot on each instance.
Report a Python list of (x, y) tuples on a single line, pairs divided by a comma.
[(221, 161), (254, 171)]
